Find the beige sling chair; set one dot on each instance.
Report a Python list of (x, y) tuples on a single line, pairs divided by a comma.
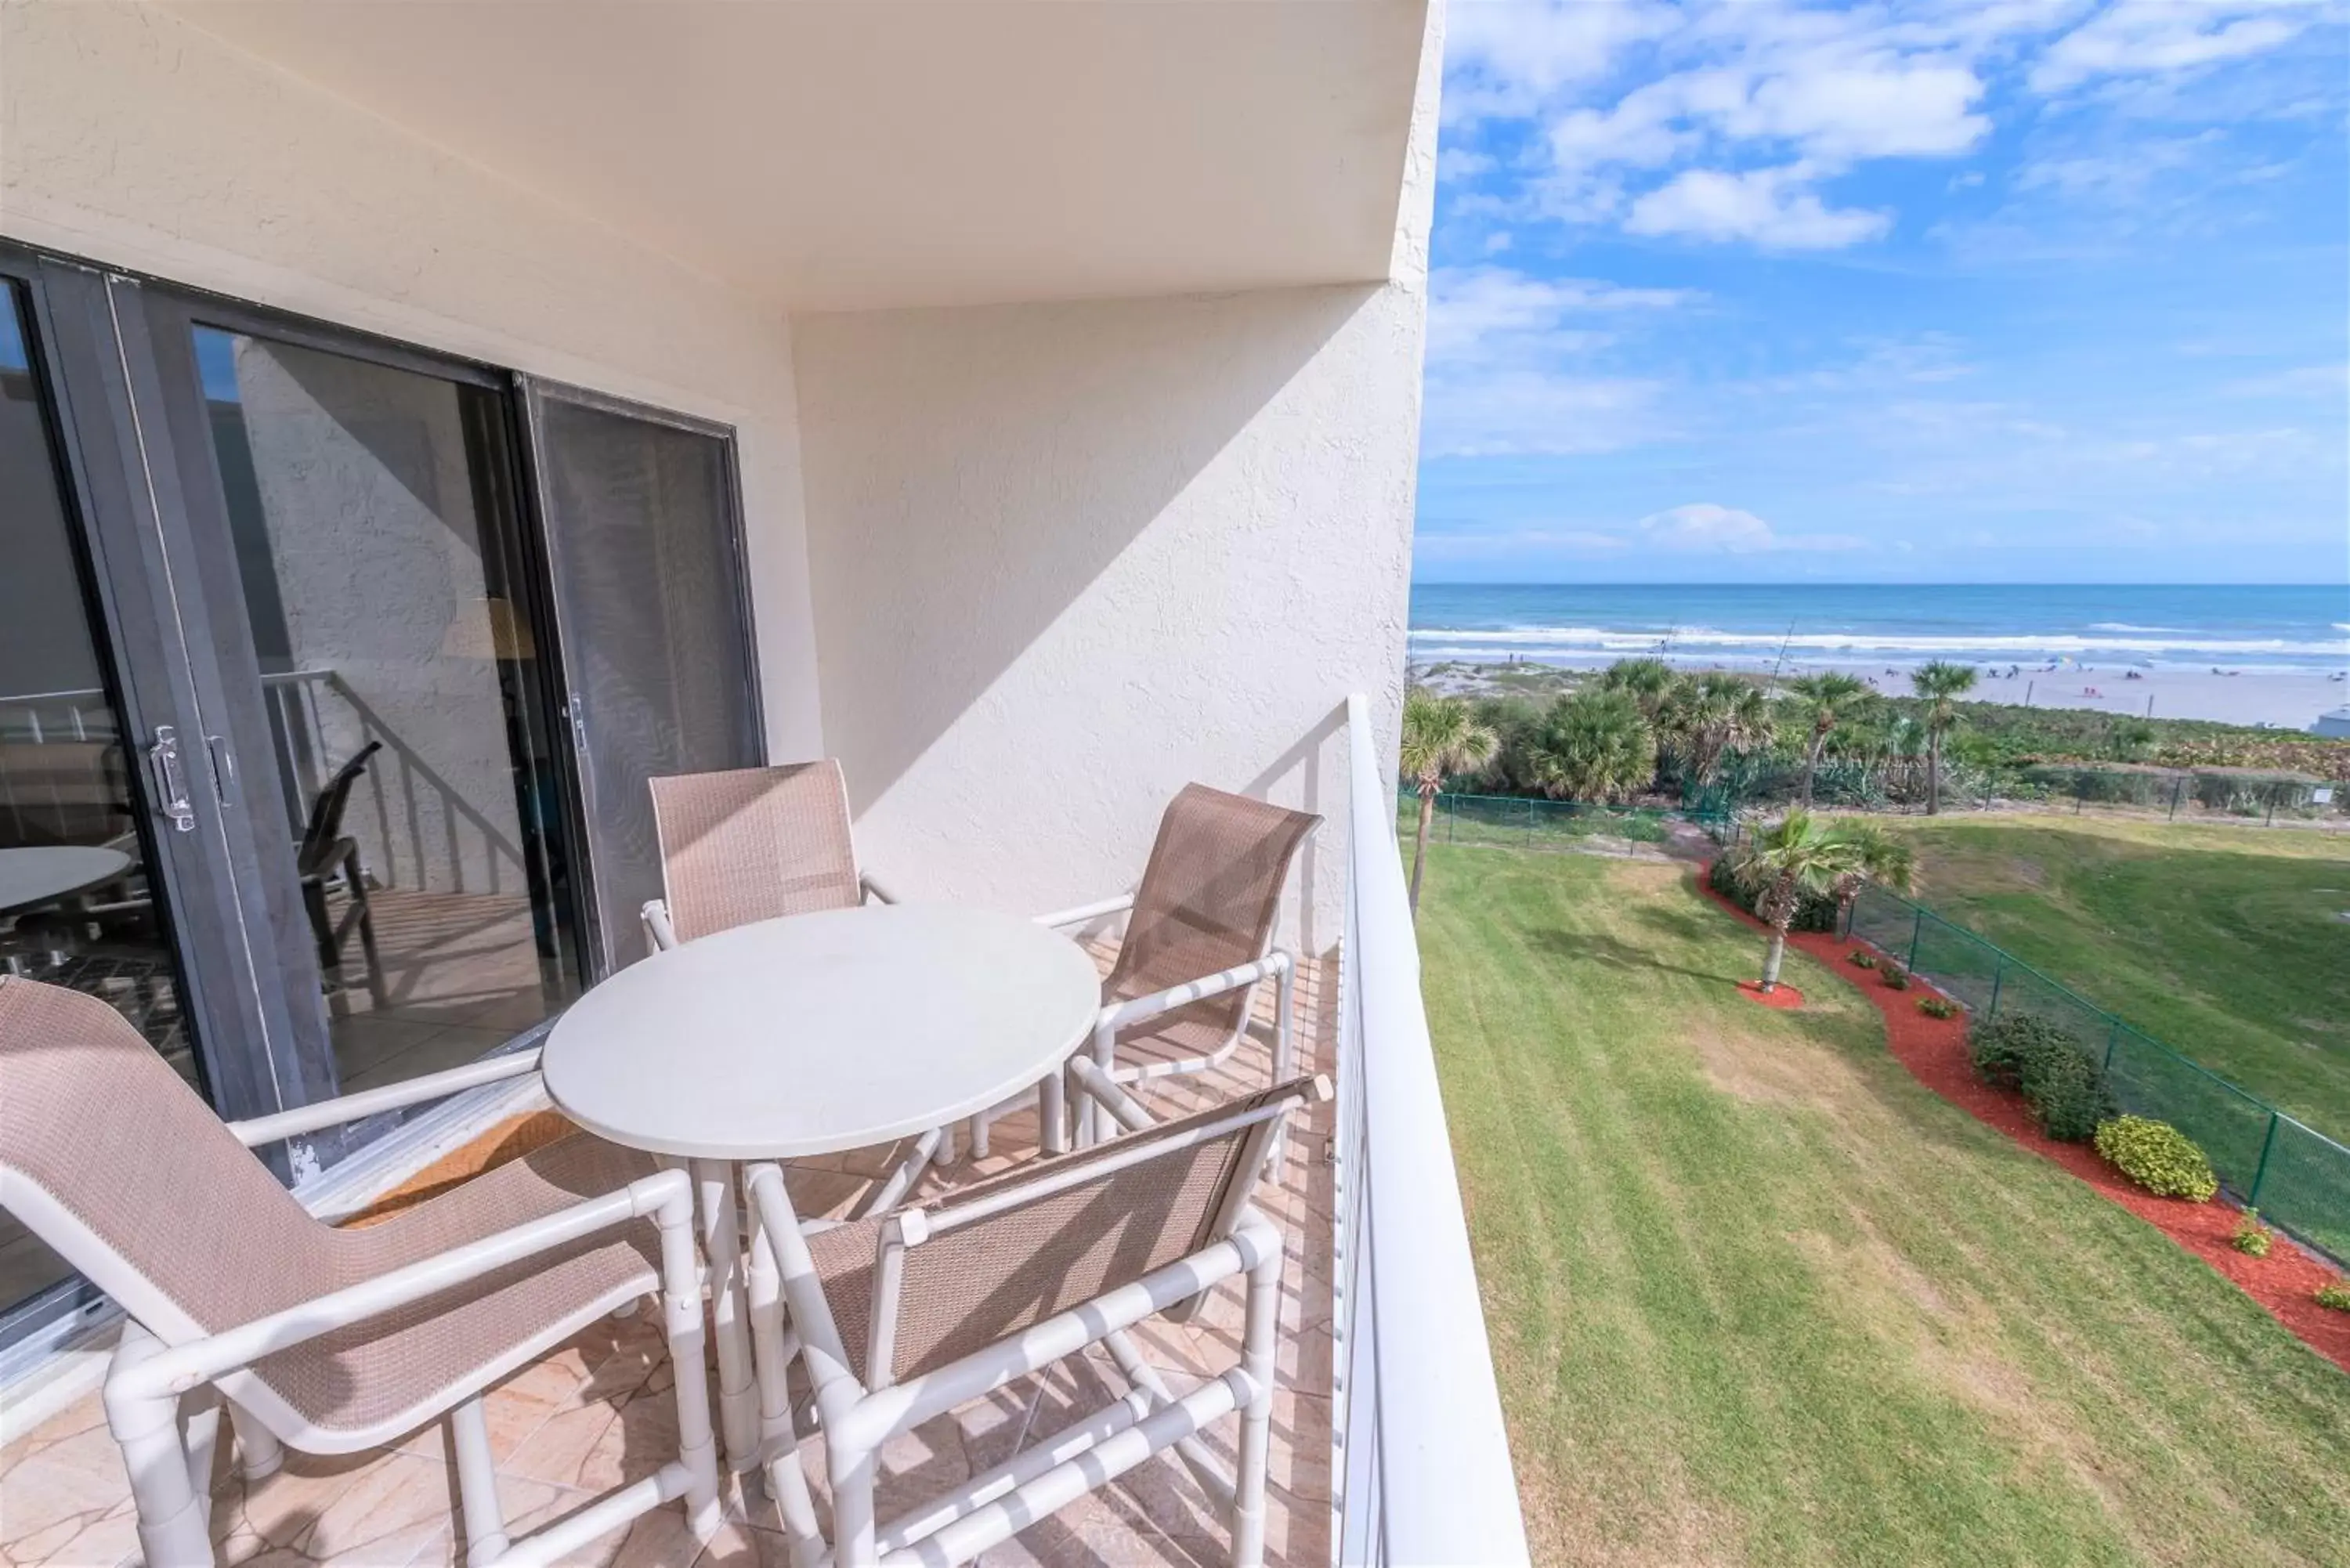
[(750, 844), (754, 844), (900, 1318), (330, 1340), (1198, 943)]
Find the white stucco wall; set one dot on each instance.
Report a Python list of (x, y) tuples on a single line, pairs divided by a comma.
[(131, 138), (1067, 557)]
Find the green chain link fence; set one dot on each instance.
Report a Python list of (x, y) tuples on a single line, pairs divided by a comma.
[(1524, 822), (2297, 1178)]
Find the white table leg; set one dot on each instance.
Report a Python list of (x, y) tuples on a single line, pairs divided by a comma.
[(721, 1243)]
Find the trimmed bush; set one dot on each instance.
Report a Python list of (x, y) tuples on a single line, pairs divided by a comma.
[(2157, 1157), (2336, 1295), (1812, 914), (1896, 978), (2061, 1083), (1862, 957), (2252, 1238), (1938, 1007)]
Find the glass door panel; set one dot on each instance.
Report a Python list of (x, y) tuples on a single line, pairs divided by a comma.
[(79, 906), (643, 533), (397, 737)]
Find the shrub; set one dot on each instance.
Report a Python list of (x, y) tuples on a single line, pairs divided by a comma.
[(2157, 1157), (2336, 1295), (1938, 1007), (2059, 1079), (1896, 978), (1862, 957), (2252, 1238), (1813, 913)]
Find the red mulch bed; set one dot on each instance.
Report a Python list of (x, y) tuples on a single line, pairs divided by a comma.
[(1782, 995), (1935, 1052)]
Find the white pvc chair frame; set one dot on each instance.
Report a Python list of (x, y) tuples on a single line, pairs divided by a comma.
[(1275, 964), (169, 1456), (858, 1418)]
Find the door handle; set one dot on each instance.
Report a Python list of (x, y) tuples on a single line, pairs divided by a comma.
[(171, 782)]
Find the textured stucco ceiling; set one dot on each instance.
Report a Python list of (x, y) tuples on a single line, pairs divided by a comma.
[(845, 154)]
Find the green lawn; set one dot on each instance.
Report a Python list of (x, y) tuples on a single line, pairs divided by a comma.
[(2227, 944), (1757, 1296)]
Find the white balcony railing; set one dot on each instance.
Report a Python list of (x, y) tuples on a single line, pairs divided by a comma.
[(1422, 1464)]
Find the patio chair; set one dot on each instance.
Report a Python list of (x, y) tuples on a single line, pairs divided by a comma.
[(750, 844), (327, 1341), (902, 1318), (1198, 943), (324, 859)]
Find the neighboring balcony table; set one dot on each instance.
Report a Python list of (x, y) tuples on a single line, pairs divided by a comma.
[(43, 874), (807, 1035)]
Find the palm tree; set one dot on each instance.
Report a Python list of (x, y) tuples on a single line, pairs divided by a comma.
[(1646, 682), (1794, 858), (1711, 715), (1831, 696), (1441, 735), (1877, 857), (1939, 682), (1594, 745)]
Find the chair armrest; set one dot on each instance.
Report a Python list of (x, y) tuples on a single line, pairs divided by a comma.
[(655, 914), (666, 1195), (391, 1097), (874, 891), (1084, 912), (1122, 1013), (1105, 1091)]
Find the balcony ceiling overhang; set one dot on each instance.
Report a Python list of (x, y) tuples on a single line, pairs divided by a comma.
[(852, 154)]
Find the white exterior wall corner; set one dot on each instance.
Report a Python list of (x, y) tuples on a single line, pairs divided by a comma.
[(133, 137)]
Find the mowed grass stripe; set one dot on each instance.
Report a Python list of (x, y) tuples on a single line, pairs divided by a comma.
[(1756, 1296)]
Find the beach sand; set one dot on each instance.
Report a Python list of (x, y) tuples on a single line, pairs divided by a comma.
[(2276, 698)]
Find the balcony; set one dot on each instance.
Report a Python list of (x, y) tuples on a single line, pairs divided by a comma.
[(1388, 1439)]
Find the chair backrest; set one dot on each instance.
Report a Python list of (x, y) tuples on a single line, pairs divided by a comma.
[(326, 824), (1004, 1254), (750, 844), (115, 1163), (1208, 900)]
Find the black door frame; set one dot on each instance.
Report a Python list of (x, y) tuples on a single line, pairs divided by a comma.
[(130, 439)]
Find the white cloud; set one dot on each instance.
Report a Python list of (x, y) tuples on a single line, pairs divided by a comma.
[(2144, 38), (1477, 315), (1741, 111), (1769, 207), (1703, 527), (1523, 412), (1478, 544)]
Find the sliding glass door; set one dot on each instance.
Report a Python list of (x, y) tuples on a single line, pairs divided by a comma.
[(331, 673)]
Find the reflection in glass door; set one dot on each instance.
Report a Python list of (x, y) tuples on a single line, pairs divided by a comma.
[(395, 736), (79, 906)]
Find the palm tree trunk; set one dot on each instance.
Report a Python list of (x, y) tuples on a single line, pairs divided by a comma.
[(1812, 763), (1773, 956), (1420, 849), (1934, 773)]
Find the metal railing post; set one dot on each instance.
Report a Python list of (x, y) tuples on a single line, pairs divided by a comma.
[(1917, 929), (2252, 1200)]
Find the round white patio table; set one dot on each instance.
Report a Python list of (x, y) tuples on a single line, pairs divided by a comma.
[(42, 874), (813, 1035)]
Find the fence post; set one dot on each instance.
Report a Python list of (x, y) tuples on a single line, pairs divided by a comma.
[(1917, 929), (2177, 788), (1998, 974), (2252, 1200), (1452, 817), (2113, 1036), (1530, 822)]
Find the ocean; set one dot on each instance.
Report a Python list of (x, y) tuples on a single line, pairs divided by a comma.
[(2254, 629)]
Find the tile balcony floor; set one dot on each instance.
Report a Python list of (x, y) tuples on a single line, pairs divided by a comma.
[(599, 1412)]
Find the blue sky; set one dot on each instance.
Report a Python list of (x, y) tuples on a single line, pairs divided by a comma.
[(2001, 290)]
